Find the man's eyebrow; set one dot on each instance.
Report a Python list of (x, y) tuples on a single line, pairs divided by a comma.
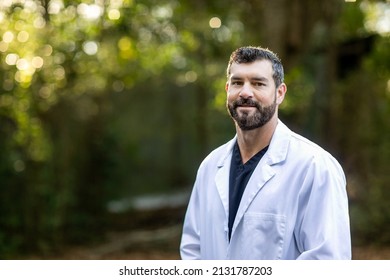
[(260, 79), (255, 78)]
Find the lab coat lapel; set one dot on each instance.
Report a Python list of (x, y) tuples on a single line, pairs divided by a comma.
[(264, 171), (222, 177), (261, 175)]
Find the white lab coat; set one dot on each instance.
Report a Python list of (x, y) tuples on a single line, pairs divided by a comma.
[(294, 206)]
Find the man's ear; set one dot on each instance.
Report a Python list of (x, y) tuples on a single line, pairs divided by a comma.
[(227, 86), (281, 93)]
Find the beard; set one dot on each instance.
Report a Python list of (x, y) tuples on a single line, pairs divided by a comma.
[(249, 121)]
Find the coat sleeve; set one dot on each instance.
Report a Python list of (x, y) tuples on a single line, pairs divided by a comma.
[(323, 230), (190, 240)]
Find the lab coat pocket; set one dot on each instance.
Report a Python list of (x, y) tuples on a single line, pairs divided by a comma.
[(263, 235)]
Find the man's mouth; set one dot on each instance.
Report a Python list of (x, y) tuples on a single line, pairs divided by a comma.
[(245, 103), (245, 106)]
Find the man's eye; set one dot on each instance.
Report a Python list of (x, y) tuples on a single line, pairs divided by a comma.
[(259, 84)]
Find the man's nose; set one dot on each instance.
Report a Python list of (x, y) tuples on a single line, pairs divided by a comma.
[(246, 91)]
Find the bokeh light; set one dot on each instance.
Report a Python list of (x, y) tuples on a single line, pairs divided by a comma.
[(215, 22)]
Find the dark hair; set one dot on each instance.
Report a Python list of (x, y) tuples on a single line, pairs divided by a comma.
[(251, 54)]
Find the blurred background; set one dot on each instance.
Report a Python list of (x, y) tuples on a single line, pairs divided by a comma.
[(107, 107)]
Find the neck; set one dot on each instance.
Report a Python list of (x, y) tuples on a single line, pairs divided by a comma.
[(252, 141)]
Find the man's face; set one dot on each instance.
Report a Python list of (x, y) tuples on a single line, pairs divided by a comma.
[(252, 98)]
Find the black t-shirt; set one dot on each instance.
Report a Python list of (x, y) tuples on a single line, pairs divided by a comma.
[(239, 176)]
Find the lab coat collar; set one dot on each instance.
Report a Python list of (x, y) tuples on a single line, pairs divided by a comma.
[(227, 153), (277, 150)]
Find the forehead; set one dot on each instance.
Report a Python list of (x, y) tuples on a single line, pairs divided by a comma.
[(257, 68)]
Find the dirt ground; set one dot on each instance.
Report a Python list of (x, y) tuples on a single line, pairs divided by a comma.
[(163, 244), (358, 253), (370, 253), (145, 242)]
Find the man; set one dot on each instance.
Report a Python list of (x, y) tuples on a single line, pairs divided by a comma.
[(268, 193)]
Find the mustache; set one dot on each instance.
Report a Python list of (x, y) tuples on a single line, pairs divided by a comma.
[(246, 102)]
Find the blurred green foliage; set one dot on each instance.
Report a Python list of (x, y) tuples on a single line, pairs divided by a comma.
[(107, 99)]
